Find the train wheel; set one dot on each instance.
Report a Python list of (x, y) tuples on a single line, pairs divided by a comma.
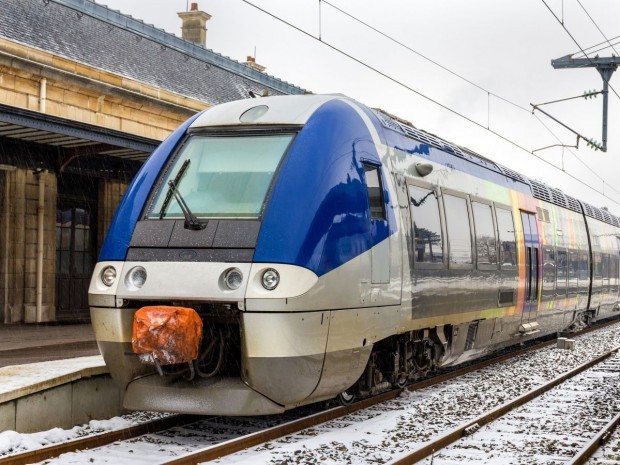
[(347, 397)]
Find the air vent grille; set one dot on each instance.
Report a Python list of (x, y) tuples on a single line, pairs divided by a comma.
[(512, 174), (573, 203), (387, 122), (541, 191)]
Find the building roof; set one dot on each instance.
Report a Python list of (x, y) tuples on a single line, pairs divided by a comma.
[(92, 34)]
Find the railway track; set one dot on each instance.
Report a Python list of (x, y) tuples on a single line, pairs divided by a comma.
[(439, 443), (98, 440), (599, 439), (227, 447)]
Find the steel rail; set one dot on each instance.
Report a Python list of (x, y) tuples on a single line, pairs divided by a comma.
[(98, 440), (601, 438), (471, 426)]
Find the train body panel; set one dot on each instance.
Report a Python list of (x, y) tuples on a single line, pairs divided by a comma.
[(329, 248)]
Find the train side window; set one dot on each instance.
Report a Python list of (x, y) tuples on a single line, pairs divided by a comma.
[(426, 225), (486, 243), (584, 268), (605, 269), (613, 272), (597, 272), (458, 230), (573, 272), (508, 247), (548, 289), (375, 192), (562, 273)]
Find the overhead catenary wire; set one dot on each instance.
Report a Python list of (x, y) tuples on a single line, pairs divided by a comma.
[(422, 95), (600, 44), (574, 40), (421, 55), (488, 92), (584, 164), (596, 25)]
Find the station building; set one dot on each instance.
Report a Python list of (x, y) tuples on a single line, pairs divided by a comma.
[(86, 94)]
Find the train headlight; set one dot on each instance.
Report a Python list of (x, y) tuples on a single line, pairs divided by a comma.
[(136, 278), (233, 278), (270, 279), (108, 275)]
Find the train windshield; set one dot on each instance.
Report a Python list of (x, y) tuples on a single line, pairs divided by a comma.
[(226, 176)]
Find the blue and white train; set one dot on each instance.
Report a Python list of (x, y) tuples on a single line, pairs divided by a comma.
[(331, 250)]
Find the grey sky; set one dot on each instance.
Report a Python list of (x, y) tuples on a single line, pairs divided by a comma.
[(505, 47)]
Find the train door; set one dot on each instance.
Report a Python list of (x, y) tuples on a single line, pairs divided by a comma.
[(532, 268)]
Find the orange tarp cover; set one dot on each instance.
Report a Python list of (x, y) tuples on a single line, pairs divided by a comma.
[(166, 335)]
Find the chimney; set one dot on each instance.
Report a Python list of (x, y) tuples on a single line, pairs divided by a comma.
[(251, 62), (194, 27)]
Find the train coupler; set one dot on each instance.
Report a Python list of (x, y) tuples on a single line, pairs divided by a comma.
[(163, 335)]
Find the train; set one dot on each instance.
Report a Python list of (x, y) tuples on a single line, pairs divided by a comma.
[(285, 250)]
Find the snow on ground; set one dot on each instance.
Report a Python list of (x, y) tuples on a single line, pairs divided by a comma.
[(16, 378), (12, 442)]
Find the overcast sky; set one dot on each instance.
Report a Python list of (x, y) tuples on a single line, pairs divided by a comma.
[(504, 47)]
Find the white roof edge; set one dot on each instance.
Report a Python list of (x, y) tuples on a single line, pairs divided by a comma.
[(285, 110)]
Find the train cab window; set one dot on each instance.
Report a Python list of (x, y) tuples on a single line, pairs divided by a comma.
[(426, 225), (220, 176), (486, 244), (562, 273), (508, 247), (459, 234), (375, 192)]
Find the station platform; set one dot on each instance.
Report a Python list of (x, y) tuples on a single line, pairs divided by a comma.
[(30, 343), (53, 376)]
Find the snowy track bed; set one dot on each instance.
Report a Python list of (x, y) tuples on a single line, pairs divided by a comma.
[(385, 432), (550, 429)]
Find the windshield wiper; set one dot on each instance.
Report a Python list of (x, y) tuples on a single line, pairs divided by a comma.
[(191, 222), (177, 178)]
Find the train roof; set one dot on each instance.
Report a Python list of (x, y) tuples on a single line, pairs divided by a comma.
[(539, 190)]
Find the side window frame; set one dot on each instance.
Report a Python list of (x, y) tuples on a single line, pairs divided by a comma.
[(485, 266), (561, 292), (548, 273), (472, 245), (377, 169), (437, 193), (503, 266)]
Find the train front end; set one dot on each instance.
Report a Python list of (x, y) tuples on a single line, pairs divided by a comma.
[(196, 301)]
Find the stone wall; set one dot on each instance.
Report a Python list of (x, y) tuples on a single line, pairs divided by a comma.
[(18, 248), (41, 81)]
